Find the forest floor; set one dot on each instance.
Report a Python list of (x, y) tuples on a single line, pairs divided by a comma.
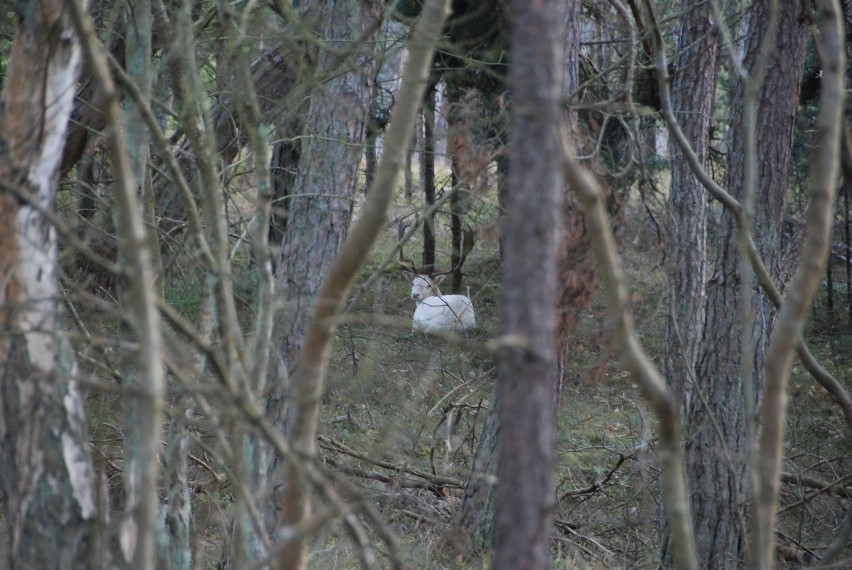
[(399, 402), (403, 412)]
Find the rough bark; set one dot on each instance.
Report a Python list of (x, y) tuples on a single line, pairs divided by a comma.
[(46, 477), (693, 89), (527, 368), (321, 207), (283, 166), (718, 443)]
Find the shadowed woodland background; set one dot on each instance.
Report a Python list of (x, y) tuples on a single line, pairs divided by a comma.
[(207, 357)]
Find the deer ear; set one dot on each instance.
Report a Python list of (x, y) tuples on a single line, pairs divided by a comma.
[(409, 275), (439, 279)]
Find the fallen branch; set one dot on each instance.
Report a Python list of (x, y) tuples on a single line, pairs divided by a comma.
[(421, 480), (597, 485), (823, 487)]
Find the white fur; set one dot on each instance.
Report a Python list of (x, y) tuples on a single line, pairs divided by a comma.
[(436, 312)]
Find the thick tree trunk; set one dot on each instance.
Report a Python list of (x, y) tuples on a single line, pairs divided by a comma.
[(46, 478), (527, 369), (718, 443), (822, 185), (321, 209), (318, 210), (693, 91)]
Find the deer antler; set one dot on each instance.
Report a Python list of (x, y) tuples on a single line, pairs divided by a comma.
[(403, 263)]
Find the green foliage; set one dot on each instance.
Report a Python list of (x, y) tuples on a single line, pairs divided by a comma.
[(184, 294)]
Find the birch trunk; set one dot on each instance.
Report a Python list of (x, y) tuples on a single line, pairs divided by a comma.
[(46, 477)]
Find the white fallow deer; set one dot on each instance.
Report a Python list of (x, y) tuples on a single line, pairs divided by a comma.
[(436, 312)]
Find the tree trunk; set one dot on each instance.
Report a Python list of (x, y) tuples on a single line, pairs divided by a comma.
[(822, 185), (693, 89), (142, 414), (427, 168), (459, 143), (527, 368), (719, 432), (46, 477), (476, 514), (577, 276), (456, 213), (321, 208), (847, 252), (283, 166)]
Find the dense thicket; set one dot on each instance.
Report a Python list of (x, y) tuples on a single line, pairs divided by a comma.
[(207, 357)]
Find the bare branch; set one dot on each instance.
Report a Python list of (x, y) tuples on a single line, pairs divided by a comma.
[(637, 362), (824, 169), (142, 307)]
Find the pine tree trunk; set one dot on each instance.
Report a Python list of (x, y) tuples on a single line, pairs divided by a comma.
[(717, 460), (310, 370), (321, 209), (527, 371), (693, 91)]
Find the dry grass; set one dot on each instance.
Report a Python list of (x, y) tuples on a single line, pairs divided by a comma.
[(390, 393), (403, 407)]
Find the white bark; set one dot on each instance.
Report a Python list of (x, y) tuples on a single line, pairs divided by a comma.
[(47, 477)]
